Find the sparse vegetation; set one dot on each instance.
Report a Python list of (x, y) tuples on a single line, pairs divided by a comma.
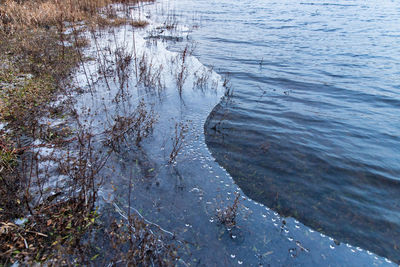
[(202, 78), (227, 216), (150, 74), (177, 140), (55, 219), (140, 246), (137, 126), (48, 201), (181, 70)]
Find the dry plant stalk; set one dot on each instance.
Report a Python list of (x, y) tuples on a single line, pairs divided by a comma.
[(227, 216), (135, 244), (177, 141), (181, 68), (136, 126), (182, 71), (202, 78), (58, 219), (150, 75)]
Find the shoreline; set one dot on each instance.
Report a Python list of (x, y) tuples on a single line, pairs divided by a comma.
[(178, 177)]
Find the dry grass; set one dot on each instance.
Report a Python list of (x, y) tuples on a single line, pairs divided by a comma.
[(9, 185), (139, 23), (44, 13), (20, 102), (111, 21), (39, 13), (135, 244), (34, 65), (60, 227)]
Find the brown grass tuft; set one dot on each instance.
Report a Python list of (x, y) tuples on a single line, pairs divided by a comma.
[(139, 23)]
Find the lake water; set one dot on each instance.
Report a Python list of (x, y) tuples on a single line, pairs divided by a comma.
[(313, 128)]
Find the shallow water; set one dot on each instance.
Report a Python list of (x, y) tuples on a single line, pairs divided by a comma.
[(313, 128), (183, 197)]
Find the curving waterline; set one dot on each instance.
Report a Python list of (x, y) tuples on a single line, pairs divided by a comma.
[(191, 190)]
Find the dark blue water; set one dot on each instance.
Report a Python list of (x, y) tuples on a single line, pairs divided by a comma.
[(313, 128)]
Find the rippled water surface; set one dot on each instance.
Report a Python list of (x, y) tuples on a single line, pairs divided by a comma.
[(313, 127)]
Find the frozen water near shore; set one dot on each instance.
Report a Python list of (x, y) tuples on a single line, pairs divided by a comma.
[(183, 195)]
